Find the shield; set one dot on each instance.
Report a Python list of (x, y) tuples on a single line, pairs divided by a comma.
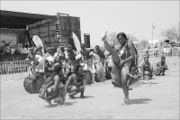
[(38, 42), (76, 42)]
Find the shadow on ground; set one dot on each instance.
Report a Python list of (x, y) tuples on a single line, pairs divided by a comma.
[(82, 98), (65, 104), (69, 103), (85, 97), (139, 101)]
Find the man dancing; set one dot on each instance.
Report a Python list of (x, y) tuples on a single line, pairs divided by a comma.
[(125, 60)]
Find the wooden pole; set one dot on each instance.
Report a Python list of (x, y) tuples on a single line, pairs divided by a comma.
[(58, 28)]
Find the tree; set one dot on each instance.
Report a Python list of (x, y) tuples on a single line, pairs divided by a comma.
[(112, 40), (143, 44), (172, 33), (132, 38)]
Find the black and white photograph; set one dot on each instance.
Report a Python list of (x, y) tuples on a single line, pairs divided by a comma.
[(89, 59)]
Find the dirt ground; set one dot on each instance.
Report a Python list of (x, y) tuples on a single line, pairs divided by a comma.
[(158, 100)]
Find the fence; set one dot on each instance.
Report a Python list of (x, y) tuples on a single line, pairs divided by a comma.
[(175, 51), (11, 67), (13, 70)]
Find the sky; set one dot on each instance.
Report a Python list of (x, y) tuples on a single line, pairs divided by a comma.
[(96, 17)]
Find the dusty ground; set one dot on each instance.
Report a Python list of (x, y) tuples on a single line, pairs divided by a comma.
[(160, 100)]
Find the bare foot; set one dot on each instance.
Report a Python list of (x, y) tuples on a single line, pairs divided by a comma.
[(126, 101), (49, 102), (124, 104), (72, 96), (82, 96), (130, 89)]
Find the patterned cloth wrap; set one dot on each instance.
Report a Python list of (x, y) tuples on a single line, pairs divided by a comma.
[(75, 83), (47, 93)]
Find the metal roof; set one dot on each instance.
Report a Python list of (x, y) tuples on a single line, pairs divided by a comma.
[(19, 20)]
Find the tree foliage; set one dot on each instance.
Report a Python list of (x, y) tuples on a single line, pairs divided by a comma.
[(143, 44), (112, 38), (132, 38), (172, 33)]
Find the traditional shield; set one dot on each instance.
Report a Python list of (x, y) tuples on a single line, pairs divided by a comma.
[(38, 42), (76, 41)]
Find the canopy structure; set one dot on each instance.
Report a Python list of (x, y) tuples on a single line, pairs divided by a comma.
[(13, 27), (19, 20)]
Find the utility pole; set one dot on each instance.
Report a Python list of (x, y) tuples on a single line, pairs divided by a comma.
[(152, 32)]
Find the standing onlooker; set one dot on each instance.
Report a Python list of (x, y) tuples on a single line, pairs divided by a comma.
[(71, 61), (59, 56), (101, 54), (86, 56), (30, 58), (146, 68)]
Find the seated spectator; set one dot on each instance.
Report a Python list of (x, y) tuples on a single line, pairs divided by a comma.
[(161, 67), (8, 49), (18, 49), (25, 50)]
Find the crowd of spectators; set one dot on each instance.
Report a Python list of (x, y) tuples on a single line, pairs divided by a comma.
[(6, 49)]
